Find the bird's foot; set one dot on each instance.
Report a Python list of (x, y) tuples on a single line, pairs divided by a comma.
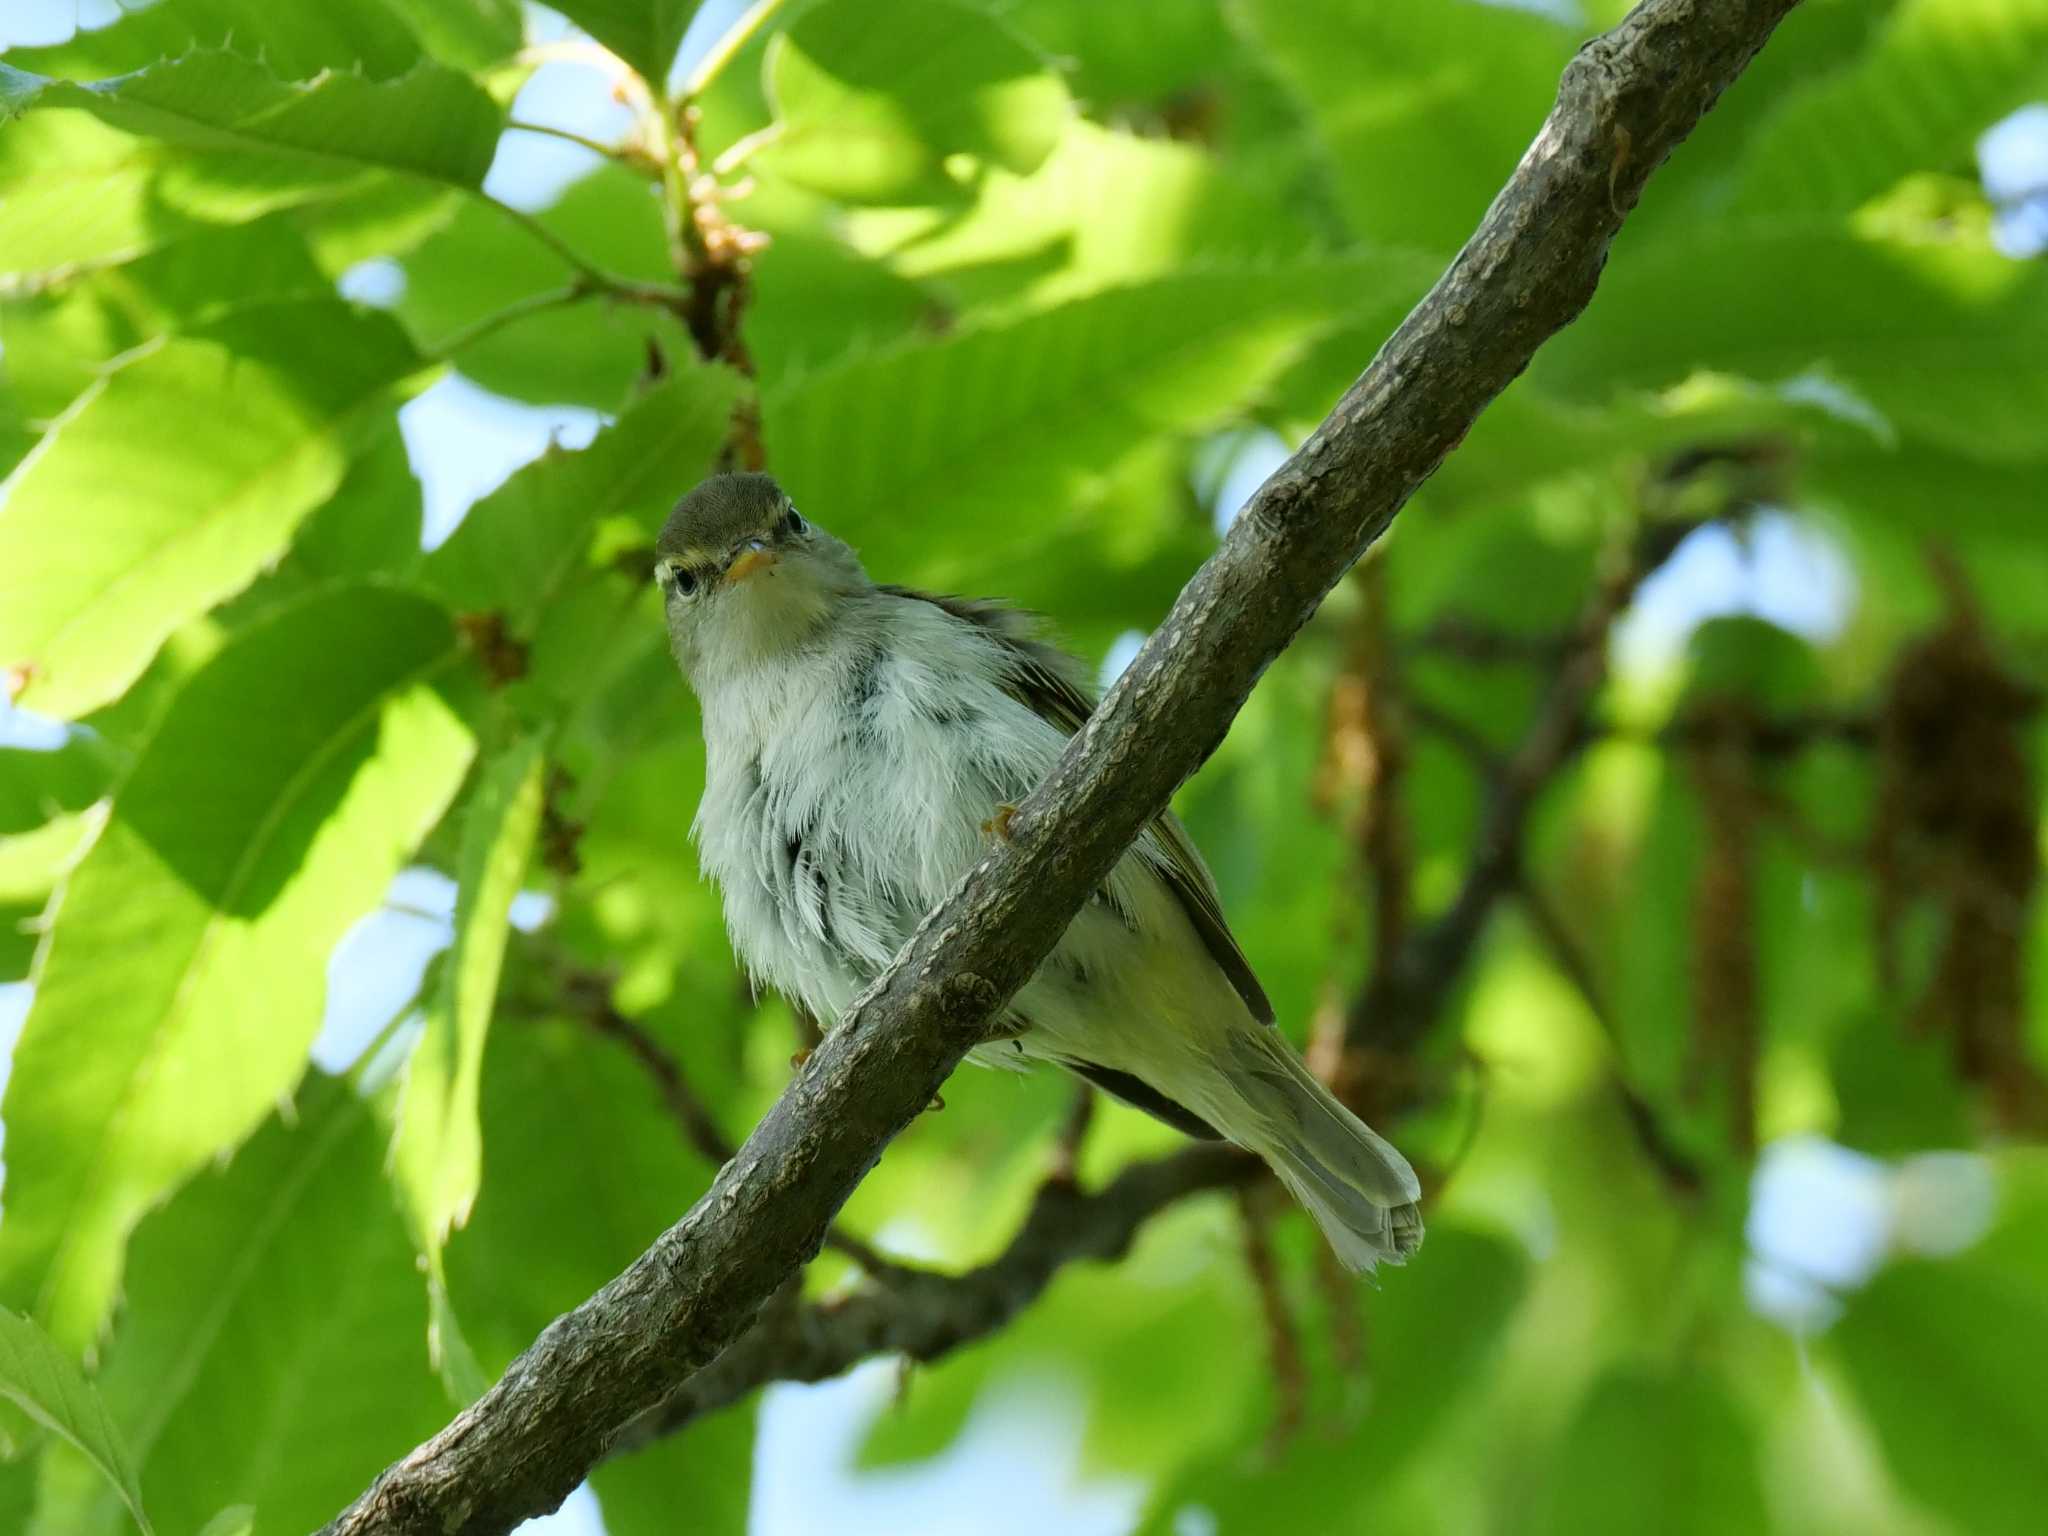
[(797, 1061), (998, 825), (935, 1106)]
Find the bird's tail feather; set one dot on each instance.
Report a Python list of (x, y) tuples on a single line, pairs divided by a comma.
[(1359, 1189)]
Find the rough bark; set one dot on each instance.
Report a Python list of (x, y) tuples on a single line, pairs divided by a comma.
[(1625, 101)]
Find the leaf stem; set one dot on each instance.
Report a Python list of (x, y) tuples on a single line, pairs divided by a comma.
[(568, 135), (533, 304), (593, 277), (722, 53)]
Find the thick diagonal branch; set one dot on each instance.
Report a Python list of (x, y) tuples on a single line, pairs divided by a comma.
[(1626, 99)]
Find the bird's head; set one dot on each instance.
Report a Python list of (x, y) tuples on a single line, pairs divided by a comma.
[(744, 576)]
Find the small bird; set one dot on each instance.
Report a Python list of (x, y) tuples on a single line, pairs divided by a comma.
[(864, 741)]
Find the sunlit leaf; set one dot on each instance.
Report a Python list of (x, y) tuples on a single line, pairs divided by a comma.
[(433, 123), (31, 865), (39, 1378), (103, 171), (288, 780), (58, 341), (235, 1520), (861, 118), (145, 503), (1042, 236), (437, 1155), (295, 40)]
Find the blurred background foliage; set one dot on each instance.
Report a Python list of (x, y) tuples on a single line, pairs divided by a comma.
[(1648, 834)]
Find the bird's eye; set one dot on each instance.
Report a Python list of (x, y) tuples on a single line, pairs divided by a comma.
[(792, 522), (685, 580)]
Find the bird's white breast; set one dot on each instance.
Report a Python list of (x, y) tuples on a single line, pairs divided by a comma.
[(848, 784)]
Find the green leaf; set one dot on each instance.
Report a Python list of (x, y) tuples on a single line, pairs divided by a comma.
[(235, 1520), (1775, 305), (645, 33), (862, 118), (470, 33), (1042, 237), (289, 779), (294, 40), (36, 787), (371, 524), (437, 1155), (31, 865), (1944, 1360), (58, 341), (434, 123), (1433, 1331), (1423, 110), (271, 1345), (581, 1149), (1939, 73), (149, 500), (38, 1377), (1015, 424), (521, 546), (1817, 42), (103, 171), (1656, 1452)]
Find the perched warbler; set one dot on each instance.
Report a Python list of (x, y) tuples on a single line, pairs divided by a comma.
[(863, 741)]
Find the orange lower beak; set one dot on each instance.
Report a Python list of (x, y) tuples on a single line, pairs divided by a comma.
[(749, 562)]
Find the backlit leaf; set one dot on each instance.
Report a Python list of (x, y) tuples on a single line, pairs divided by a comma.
[(437, 1155), (645, 33), (289, 779), (40, 1379), (145, 503), (862, 116)]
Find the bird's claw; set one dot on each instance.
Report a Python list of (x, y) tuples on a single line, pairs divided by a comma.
[(998, 825)]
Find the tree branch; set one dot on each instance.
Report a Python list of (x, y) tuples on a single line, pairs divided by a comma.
[(1403, 999), (922, 1315), (1625, 100)]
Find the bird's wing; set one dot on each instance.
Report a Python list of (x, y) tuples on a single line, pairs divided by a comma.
[(1042, 678)]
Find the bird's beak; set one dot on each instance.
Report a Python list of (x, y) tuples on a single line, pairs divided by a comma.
[(754, 555)]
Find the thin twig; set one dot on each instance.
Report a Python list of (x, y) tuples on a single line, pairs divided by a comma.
[(1482, 644), (1283, 1338), (1066, 1147), (617, 152), (727, 48), (628, 290), (1460, 733), (699, 1126), (1403, 999), (1676, 1167), (922, 1315), (573, 292)]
